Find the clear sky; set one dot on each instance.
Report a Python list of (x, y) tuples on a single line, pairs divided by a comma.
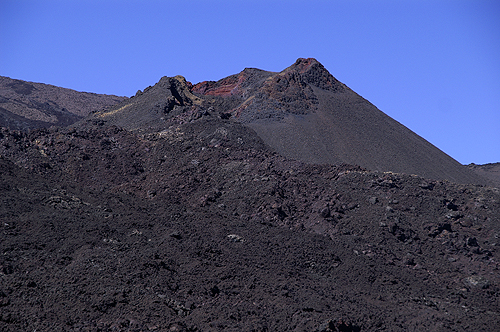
[(434, 66)]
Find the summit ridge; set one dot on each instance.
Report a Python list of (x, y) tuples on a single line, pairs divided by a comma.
[(302, 112)]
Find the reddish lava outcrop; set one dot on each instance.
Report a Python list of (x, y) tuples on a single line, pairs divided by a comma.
[(227, 87)]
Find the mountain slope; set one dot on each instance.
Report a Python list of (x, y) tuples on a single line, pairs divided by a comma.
[(201, 227), (315, 118), (302, 112), (169, 212), (27, 105)]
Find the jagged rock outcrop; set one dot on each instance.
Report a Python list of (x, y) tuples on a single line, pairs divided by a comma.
[(156, 107), (262, 95)]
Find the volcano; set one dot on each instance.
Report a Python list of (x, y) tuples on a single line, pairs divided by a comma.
[(302, 112), (186, 208)]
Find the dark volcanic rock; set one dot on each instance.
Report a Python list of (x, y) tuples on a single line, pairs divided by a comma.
[(269, 96), (157, 107), (201, 227), (28, 105), (303, 113), (168, 212)]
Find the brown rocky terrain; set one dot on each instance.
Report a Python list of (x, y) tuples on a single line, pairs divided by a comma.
[(170, 213), (27, 105)]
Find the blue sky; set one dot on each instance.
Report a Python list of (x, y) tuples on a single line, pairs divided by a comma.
[(432, 65)]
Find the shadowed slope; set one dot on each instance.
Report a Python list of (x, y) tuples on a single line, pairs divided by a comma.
[(306, 114)]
